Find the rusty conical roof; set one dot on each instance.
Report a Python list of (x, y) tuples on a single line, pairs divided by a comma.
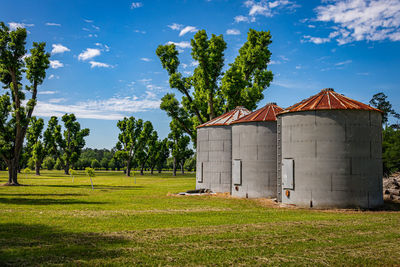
[(227, 118), (328, 99), (266, 113)]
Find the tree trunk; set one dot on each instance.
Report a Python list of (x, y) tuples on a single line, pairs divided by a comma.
[(66, 168), (141, 169), (37, 168), (159, 170), (128, 167), (151, 170), (182, 169), (174, 167), (13, 172)]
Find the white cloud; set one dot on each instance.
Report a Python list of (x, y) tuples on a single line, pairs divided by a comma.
[(175, 26), (114, 108), (315, 40), (145, 81), (182, 44), (358, 20), (95, 64), (298, 67), (139, 31), (194, 63), (89, 53), (233, 32), (267, 8), (53, 24), (96, 27), (59, 48), (55, 64), (343, 63), (15, 25), (145, 59), (57, 100), (103, 46), (188, 29), (241, 19), (47, 92), (88, 20), (52, 76), (136, 5)]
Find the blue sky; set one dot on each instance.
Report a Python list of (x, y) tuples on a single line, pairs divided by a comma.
[(104, 65)]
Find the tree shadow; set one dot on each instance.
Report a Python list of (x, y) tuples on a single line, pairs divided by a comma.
[(112, 187), (46, 201), (43, 195), (37, 244), (389, 205)]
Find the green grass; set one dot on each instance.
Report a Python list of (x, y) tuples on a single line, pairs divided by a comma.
[(53, 221)]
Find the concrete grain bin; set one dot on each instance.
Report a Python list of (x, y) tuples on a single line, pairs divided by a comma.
[(214, 152), (254, 158), (330, 153)]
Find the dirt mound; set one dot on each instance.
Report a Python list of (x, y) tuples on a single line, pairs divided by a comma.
[(391, 187)]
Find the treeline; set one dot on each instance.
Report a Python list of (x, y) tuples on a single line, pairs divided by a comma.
[(390, 134), (138, 147)]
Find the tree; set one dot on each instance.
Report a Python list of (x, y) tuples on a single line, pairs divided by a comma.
[(73, 141), (158, 155), (391, 150), (104, 163), (379, 101), (148, 145), (179, 146), (132, 138), (14, 115), (204, 96), (49, 163), (90, 172), (52, 136), (34, 145), (95, 164), (190, 164)]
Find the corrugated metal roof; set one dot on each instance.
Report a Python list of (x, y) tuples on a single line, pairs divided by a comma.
[(328, 99), (227, 118), (266, 113)]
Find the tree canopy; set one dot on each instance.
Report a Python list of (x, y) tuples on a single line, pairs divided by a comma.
[(14, 114), (209, 92)]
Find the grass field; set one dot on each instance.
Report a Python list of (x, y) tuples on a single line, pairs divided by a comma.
[(53, 221)]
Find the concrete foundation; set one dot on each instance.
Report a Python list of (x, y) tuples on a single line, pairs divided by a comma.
[(254, 144), (214, 158), (337, 156)]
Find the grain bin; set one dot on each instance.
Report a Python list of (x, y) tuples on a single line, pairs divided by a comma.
[(330, 153), (254, 159), (214, 152)]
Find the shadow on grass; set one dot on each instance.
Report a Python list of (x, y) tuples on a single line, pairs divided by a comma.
[(46, 201), (37, 244), (44, 195), (389, 205), (113, 187)]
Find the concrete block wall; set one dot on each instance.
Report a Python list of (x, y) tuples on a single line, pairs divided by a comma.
[(254, 143), (214, 158), (337, 158)]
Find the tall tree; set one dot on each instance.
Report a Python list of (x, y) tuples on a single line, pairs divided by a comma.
[(179, 145), (73, 141), (34, 144), (129, 141), (204, 95), (52, 136), (148, 145), (159, 156), (14, 115), (379, 101)]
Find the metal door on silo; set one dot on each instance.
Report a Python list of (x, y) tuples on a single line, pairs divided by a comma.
[(288, 174)]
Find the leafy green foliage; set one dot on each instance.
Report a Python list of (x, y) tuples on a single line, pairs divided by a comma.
[(179, 145), (391, 150), (148, 145), (129, 141), (14, 116), (73, 140), (379, 101), (204, 95), (49, 163), (246, 79), (95, 164)]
